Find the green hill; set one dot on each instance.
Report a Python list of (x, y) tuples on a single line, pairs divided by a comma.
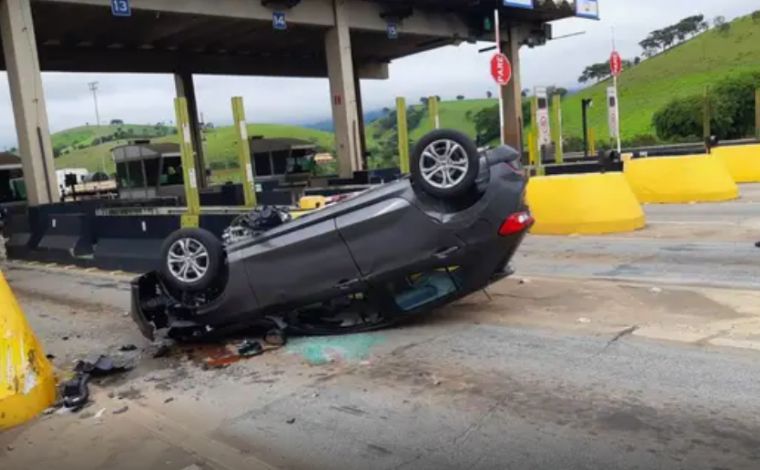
[(684, 70), (644, 89), (681, 71)]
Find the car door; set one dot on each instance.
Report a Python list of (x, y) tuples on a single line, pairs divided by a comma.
[(305, 263), (393, 235)]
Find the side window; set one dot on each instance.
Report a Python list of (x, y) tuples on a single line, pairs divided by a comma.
[(151, 172), (135, 170), (280, 160), (121, 174), (262, 164), (420, 289), (171, 173)]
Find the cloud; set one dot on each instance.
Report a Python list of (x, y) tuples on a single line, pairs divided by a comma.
[(447, 72)]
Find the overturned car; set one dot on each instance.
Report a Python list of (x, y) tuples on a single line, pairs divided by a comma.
[(393, 251)]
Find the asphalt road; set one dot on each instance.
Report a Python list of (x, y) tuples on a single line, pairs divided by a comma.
[(693, 244), (488, 397), (462, 388), (545, 374)]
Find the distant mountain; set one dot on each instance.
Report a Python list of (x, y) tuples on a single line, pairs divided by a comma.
[(327, 124)]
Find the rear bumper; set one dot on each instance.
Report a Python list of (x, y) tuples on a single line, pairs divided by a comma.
[(148, 309)]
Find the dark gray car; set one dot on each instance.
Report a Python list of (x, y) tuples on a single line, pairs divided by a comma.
[(385, 254)]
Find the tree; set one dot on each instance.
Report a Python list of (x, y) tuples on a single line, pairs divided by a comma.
[(424, 100), (460, 97), (489, 95), (636, 60), (554, 90), (756, 16), (721, 25)]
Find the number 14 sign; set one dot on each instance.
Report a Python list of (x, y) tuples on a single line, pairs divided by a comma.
[(121, 8)]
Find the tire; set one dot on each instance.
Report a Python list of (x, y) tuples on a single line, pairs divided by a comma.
[(202, 271), (456, 157)]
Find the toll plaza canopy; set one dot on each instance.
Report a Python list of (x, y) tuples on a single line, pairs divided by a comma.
[(344, 40)]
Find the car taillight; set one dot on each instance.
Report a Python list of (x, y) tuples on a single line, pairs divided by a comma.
[(516, 223)]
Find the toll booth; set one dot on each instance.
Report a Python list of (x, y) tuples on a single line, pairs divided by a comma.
[(146, 170), (282, 160)]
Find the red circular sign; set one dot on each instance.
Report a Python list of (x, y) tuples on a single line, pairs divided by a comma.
[(616, 64), (501, 69)]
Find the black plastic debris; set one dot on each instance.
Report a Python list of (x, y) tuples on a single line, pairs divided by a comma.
[(128, 347), (250, 348), (75, 392), (275, 337)]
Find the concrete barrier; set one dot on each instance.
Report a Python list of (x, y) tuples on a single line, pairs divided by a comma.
[(593, 203), (742, 161), (27, 383), (694, 178)]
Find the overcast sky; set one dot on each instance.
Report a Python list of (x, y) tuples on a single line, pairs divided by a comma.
[(446, 72)]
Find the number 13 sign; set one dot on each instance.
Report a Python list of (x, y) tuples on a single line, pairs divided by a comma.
[(120, 8)]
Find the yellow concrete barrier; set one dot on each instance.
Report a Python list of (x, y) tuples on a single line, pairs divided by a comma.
[(692, 178), (27, 384), (743, 161), (583, 204)]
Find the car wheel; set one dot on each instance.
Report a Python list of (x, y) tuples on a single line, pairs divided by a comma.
[(445, 163), (191, 259)]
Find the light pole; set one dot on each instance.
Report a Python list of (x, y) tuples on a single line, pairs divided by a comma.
[(585, 104), (94, 89)]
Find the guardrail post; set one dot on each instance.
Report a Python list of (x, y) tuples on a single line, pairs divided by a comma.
[(435, 118), (190, 218), (244, 152), (403, 136), (559, 155)]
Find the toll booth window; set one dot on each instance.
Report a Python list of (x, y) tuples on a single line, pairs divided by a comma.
[(151, 171), (612, 101), (262, 164), (121, 174), (135, 177), (542, 103), (299, 164), (280, 160), (171, 173)]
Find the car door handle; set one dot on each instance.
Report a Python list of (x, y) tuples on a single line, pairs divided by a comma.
[(444, 253)]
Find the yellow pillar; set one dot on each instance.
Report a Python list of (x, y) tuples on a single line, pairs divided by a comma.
[(559, 156), (27, 383), (244, 152), (190, 218), (435, 118), (403, 136), (532, 148), (592, 142)]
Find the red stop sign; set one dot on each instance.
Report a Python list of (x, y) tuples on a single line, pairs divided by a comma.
[(501, 69), (616, 64)]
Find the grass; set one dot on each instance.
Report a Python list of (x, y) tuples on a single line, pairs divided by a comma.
[(682, 71)]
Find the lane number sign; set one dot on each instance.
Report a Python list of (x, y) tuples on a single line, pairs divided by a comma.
[(278, 21), (121, 8)]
